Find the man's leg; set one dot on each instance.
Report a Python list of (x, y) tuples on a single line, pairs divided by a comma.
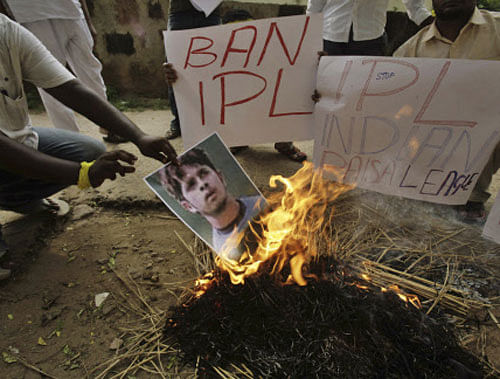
[(480, 192), (23, 195), (175, 127), (474, 211), (61, 116), (80, 57), (20, 194), (82, 61), (334, 48), (373, 47), (182, 21)]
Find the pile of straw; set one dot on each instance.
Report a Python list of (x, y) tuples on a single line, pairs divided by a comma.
[(414, 245)]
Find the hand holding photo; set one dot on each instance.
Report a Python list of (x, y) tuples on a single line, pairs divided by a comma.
[(211, 194)]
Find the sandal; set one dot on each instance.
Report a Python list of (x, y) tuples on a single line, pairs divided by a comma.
[(472, 212), (56, 207), (114, 138), (291, 151), (173, 133)]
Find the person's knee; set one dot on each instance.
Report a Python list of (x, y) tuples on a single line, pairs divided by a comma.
[(92, 149)]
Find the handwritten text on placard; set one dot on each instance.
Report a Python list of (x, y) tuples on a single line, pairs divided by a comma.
[(419, 128), (251, 82)]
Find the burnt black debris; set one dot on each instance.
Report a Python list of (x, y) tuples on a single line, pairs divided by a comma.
[(327, 329)]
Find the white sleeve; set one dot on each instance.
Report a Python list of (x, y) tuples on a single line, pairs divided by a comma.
[(416, 10), (38, 65), (315, 6)]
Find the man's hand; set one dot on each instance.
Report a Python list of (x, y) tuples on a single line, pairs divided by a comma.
[(157, 147), (322, 53), (170, 73), (85, 101), (108, 165), (316, 96)]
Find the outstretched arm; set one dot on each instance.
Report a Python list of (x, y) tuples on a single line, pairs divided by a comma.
[(22, 160), (30, 163), (85, 101)]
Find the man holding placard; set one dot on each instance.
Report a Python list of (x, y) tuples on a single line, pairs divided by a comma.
[(188, 14), (356, 27), (462, 31)]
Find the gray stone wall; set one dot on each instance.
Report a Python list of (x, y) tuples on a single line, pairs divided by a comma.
[(130, 44)]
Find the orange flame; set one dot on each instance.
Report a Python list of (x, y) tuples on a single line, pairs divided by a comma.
[(407, 298), (289, 230), (203, 284)]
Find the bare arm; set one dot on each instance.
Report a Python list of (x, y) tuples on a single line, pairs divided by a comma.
[(29, 163), (83, 100), (22, 160)]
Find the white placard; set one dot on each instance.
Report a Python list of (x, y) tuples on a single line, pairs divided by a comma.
[(418, 128), (206, 6), (491, 229), (251, 82)]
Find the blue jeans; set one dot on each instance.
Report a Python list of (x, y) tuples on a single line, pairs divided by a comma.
[(20, 194), (182, 21)]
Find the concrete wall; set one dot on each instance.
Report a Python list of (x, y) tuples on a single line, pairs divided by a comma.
[(130, 44)]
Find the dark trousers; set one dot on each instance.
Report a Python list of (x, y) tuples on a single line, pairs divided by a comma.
[(375, 46), (181, 21)]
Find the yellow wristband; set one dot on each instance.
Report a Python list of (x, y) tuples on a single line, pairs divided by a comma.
[(83, 176)]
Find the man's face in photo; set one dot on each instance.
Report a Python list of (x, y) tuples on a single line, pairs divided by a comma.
[(203, 189)]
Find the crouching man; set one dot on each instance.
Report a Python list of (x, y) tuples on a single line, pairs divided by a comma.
[(37, 162)]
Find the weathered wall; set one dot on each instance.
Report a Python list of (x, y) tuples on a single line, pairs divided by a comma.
[(130, 44)]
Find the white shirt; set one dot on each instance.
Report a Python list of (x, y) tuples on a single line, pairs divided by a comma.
[(23, 57), (478, 39), (35, 10), (367, 17)]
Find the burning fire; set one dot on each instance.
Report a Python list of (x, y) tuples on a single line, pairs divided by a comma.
[(407, 298), (288, 234)]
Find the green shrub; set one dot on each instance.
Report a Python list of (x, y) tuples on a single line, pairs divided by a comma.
[(492, 5)]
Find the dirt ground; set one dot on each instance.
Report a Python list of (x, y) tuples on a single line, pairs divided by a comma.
[(48, 315)]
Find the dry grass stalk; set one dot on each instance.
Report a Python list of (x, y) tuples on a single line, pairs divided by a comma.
[(436, 292), (34, 368), (425, 260), (144, 349)]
